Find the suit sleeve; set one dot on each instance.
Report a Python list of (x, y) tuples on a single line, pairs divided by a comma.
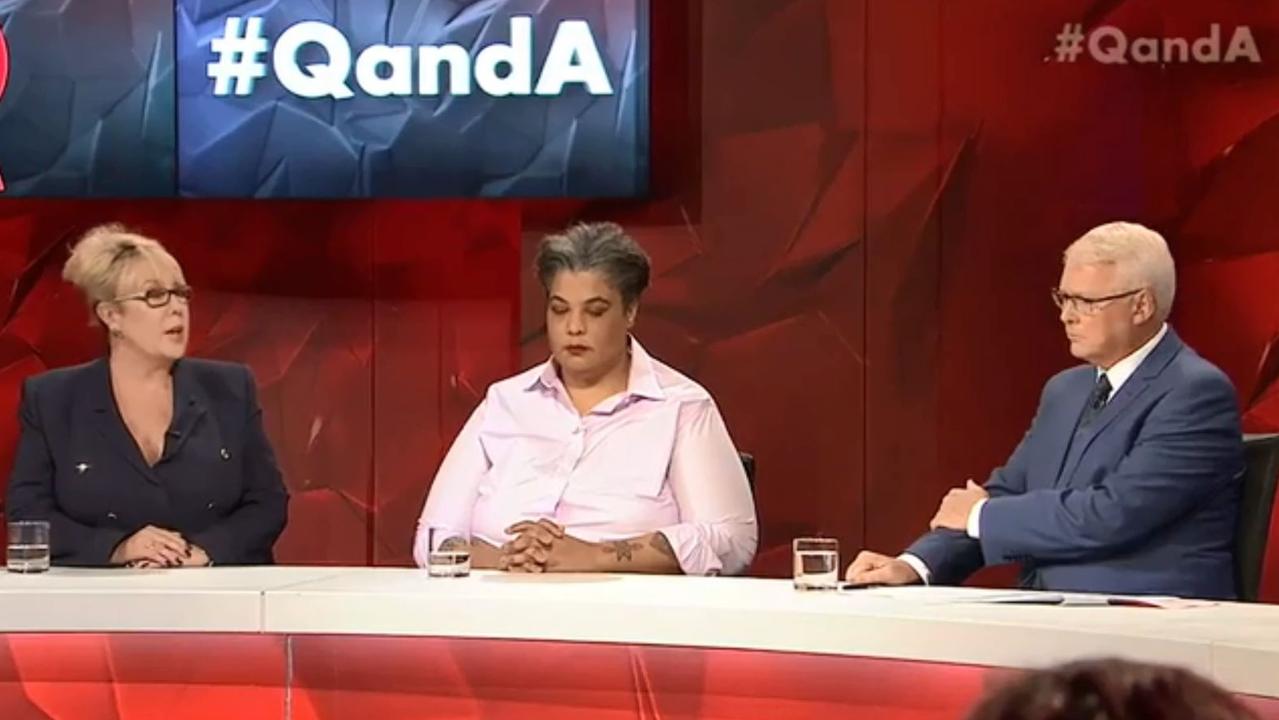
[(951, 555), (1187, 449), (31, 495), (247, 534)]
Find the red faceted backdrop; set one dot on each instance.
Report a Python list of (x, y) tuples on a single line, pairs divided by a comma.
[(858, 210)]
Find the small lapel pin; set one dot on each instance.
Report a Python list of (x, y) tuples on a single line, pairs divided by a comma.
[(82, 468), (225, 455)]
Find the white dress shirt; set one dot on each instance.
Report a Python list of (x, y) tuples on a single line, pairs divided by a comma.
[(655, 458), (1118, 374)]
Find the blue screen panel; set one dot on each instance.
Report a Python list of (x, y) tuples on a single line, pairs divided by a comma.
[(426, 98)]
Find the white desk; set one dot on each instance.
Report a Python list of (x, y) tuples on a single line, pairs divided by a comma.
[(1235, 644)]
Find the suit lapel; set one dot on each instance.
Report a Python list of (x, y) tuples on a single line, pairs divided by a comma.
[(189, 408), (1061, 436), (104, 416), (1136, 385)]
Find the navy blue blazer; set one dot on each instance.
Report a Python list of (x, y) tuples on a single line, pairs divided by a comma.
[(1144, 500), (216, 482)]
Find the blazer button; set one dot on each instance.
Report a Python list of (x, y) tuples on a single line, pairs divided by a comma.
[(112, 516), (225, 455), (209, 506)]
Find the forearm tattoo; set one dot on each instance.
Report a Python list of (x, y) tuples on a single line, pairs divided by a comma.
[(622, 550)]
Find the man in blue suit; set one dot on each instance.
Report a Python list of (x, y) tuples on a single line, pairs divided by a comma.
[(1128, 480)]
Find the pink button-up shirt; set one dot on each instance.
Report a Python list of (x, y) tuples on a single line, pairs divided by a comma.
[(656, 457)]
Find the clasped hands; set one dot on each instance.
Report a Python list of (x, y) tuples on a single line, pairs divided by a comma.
[(153, 547), (543, 546)]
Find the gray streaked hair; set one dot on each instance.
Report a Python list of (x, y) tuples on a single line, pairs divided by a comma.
[(1139, 254), (603, 247)]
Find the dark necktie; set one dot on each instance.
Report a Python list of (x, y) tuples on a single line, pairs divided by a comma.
[(1096, 400)]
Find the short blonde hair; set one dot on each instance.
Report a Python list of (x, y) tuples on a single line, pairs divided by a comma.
[(101, 258), (1139, 254)]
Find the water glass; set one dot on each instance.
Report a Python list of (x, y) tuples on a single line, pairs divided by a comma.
[(448, 553), (28, 548), (816, 563)]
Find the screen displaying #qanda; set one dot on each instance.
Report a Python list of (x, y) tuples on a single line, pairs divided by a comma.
[(312, 99)]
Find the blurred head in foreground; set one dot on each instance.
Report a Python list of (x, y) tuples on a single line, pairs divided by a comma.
[(1110, 690)]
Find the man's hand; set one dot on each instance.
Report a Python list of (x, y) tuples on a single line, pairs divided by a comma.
[(956, 507), (871, 568)]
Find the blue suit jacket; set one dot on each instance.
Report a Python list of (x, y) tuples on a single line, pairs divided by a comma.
[(216, 483), (1146, 505)]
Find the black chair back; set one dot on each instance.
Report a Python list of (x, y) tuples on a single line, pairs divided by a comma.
[(748, 463), (1261, 467)]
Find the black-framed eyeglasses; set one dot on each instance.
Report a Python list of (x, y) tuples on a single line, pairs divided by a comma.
[(158, 297), (1086, 305)]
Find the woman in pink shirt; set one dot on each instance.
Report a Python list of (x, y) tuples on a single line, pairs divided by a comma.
[(602, 458)]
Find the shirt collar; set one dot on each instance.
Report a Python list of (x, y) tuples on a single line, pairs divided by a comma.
[(546, 377), (1119, 373), (642, 381)]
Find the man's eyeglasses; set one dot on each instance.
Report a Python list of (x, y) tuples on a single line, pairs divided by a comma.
[(1086, 305), (157, 297)]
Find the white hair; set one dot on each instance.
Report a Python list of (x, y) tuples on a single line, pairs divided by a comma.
[(1139, 254)]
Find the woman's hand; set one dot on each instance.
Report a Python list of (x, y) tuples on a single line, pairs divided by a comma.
[(143, 565), (543, 546), (156, 545), (196, 557), (531, 547)]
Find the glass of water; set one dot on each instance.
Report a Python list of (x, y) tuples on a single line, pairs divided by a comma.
[(28, 549), (448, 553), (816, 563)]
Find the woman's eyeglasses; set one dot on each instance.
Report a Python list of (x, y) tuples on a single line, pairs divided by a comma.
[(157, 297)]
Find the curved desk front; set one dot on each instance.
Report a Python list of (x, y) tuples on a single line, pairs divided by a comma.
[(317, 642)]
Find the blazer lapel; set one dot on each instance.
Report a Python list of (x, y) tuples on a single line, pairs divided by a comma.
[(1140, 381), (189, 408), (104, 416), (1061, 436)]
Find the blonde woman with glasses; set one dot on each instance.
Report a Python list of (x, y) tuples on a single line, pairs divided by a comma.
[(145, 458)]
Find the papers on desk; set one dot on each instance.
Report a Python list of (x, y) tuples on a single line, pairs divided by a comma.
[(939, 595)]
